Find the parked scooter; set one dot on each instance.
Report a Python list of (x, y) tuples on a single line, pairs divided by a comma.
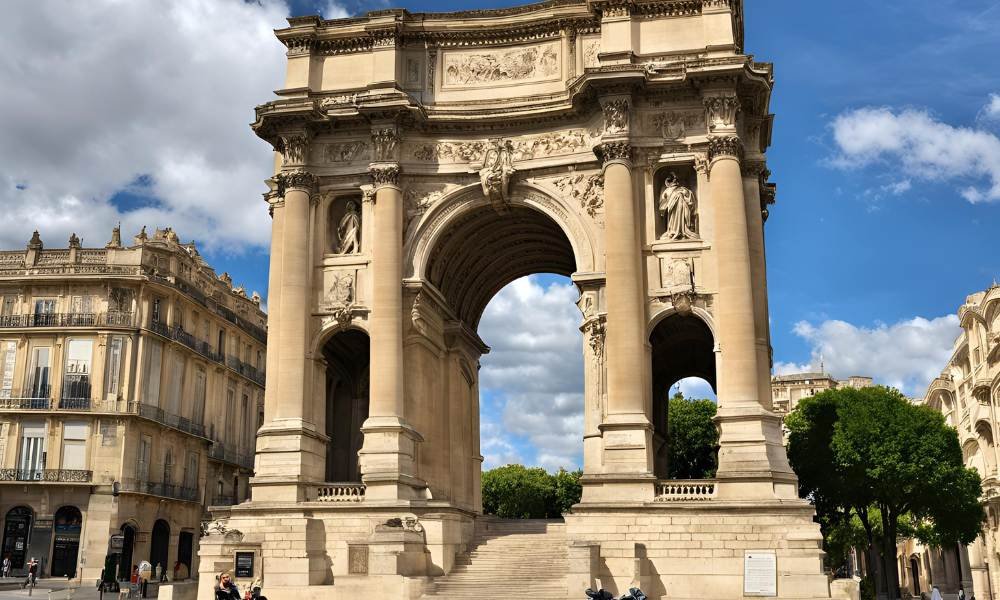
[(602, 594)]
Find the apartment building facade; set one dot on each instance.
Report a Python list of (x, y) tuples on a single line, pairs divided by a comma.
[(131, 389)]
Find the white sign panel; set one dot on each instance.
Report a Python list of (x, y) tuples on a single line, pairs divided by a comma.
[(760, 573)]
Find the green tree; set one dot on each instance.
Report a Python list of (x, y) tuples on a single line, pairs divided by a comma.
[(896, 467), (568, 492), (519, 492), (693, 438)]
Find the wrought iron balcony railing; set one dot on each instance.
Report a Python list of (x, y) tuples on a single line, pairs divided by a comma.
[(163, 417), (46, 475), (108, 319), (158, 488)]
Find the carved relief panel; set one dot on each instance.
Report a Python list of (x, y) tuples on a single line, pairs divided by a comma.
[(501, 66)]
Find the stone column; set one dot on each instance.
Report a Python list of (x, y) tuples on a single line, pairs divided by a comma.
[(290, 449), (752, 460), (626, 431), (753, 170), (388, 465)]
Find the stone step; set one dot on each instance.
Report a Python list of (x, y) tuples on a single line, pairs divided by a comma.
[(508, 557)]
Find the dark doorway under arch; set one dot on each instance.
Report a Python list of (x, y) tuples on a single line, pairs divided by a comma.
[(16, 534), (682, 346), (67, 523), (347, 356), (128, 547), (159, 545)]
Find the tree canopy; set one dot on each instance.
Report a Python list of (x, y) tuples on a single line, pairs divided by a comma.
[(519, 492), (871, 455), (692, 437)]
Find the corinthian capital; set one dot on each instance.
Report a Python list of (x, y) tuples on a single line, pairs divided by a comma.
[(294, 148), (613, 151), (298, 179), (725, 145), (384, 174)]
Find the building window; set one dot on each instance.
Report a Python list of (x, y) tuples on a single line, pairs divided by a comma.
[(176, 383), (168, 467), (7, 309), (155, 313), (8, 354), (191, 471), (31, 459), (245, 432), (142, 464), (116, 352), (230, 412), (222, 342), (45, 310), (76, 374), (198, 412), (38, 377), (74, 445), (154, 364)]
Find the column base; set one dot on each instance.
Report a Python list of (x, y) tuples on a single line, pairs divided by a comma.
[(291, 453), (388, 460), (752, 459), (626, 464)]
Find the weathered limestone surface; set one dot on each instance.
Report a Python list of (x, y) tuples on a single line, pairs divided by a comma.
[(618, 143)]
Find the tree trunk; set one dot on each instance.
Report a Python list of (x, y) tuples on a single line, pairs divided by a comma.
[(872, 559), (889, 556)]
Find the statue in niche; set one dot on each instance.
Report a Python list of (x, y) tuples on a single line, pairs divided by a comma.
[(677, 206), (349, 230)]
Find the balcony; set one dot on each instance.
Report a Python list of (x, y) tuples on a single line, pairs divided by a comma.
[(36, 399), (157, 488), (223, 453), (163, 417), (46, 475), (187, 339), (108, 319), (245, 369)]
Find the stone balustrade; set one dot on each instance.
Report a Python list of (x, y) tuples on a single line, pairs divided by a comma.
[(675, 490), (338, 492)]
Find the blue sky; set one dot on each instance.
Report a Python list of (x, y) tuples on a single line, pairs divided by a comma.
[(886, 152)]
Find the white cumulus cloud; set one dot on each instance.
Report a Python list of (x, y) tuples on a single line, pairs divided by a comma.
[(906, 355), (535, 373), (922, 147), (148, 96), (991, 111)]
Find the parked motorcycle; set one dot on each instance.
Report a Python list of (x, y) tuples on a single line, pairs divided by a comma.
[(602, 594)]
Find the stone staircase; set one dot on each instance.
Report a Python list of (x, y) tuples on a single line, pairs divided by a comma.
[(509, 557)]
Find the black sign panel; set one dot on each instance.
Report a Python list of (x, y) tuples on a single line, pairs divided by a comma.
[(244, 564)]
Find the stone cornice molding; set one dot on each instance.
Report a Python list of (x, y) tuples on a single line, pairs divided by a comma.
[(725, 146), (383, 174), (614, 152), (297, 180)]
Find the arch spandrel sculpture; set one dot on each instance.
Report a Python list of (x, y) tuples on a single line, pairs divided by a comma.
[(484, 146)]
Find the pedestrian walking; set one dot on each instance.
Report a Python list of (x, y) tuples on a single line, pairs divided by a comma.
[(5, 567), (32, 577)]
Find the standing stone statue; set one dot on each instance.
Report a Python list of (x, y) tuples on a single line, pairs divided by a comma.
[(349, 230), (677, 206)]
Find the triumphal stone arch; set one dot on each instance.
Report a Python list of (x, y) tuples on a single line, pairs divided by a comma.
[(423, 162)]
